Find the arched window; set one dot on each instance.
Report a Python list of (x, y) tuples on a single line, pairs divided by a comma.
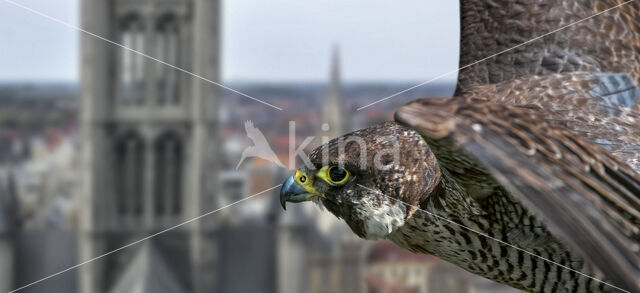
[(168, 47), (168, 151), (129, 174), (131, 64)]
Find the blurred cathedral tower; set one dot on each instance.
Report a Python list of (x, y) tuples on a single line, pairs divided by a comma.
[(148, 135), (333, 106)]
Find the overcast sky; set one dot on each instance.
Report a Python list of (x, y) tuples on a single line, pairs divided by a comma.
[(275, 40)]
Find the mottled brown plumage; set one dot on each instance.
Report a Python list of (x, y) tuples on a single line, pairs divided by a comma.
[(609, 42)]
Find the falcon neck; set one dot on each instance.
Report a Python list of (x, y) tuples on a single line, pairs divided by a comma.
[(450, 197)]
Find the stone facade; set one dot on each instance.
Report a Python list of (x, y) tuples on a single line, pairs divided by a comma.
[(148, 137)]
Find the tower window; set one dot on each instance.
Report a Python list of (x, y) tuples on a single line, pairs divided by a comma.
[(168, 174), (129, 164), (131, 64), (168, 50)]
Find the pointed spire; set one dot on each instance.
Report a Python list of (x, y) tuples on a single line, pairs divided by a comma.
[(335, 77), (333, 105)]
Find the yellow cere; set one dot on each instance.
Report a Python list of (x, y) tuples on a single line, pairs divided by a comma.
[(305, 181)]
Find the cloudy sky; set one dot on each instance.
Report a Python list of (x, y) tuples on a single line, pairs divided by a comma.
[(276, 40)]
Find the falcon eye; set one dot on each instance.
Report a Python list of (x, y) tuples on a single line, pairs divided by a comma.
[(337, 175), (333, 175)]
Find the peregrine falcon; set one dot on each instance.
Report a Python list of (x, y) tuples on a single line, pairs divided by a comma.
[(529, 176)]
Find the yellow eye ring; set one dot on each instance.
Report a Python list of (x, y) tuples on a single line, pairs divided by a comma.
[(333, 175)]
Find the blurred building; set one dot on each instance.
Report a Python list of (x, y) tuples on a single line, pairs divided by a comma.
[(148, 135), (338, 266), (46, 182), (36, 216), (7, 231)]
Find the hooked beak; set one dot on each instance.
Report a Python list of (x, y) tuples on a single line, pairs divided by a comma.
[(293, 192)]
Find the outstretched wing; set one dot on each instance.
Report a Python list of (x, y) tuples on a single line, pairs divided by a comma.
[(597, 106), (537, 146)]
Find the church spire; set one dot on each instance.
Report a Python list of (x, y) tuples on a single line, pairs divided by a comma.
[(333, 124), (335, 77)]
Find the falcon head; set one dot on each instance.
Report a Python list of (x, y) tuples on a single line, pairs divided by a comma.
[(372, 178)]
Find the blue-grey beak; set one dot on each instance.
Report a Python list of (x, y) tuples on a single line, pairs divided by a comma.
[(293, 192)]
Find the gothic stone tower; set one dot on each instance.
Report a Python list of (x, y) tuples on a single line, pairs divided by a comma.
[(148, 144)]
